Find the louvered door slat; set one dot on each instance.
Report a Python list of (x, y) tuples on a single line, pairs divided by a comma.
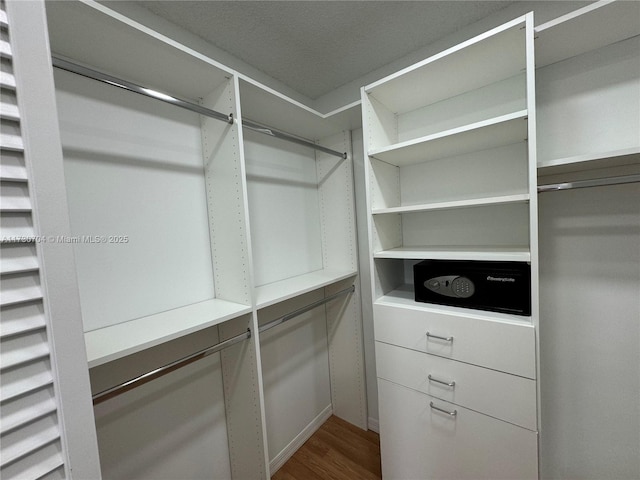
[(44, 462), (25, 380), (12, 167), (33, 437), (28, 409), (22, 349), (7, 81), (21, 319)]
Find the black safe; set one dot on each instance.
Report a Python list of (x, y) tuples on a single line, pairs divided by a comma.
[(484, 285)]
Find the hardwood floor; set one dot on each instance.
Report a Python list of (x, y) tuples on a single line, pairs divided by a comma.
[(337, 451)]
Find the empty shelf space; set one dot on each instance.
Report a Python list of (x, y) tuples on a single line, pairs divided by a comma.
[(475, 202), (110, 343), (491, 133), (494, 253), (291, 287), (597, 25)]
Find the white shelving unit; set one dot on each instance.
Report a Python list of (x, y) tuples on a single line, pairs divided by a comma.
[(450, 174), (219, 229)]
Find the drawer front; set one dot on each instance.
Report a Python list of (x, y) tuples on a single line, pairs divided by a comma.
[(488, 343), (419, 442), (501, 395)]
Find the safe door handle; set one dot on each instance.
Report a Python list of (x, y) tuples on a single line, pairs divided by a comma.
[(446, 339), (442, 382), (453, 414)]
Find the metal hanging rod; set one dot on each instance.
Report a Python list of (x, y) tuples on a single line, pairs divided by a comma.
[(194, 357), (596, 182), (257, 127), (168, 368), (132, 87), (72, 67), (300, 311)]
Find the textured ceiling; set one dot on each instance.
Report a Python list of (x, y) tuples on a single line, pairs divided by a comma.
[(315, 47)]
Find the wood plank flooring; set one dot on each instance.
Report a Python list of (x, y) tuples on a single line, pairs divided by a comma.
[(337, 451)]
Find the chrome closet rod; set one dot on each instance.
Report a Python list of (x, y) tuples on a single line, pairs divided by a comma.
[(72, 67), (132, 87), (300, 311), (168, 368), (257, 127), (596, 182)]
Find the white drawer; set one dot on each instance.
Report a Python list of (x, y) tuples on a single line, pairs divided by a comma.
[(419, 442), (501, 395), (503, 346)]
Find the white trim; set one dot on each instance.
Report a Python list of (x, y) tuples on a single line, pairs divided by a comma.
[(287, 452), (374, 425)]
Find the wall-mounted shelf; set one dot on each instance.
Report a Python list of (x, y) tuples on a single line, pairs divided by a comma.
[(491, 133), (117, 341), (273, 293), (448, 252), (266, 106), (589, 28), (127, 49), (616, 158), (474, 202)]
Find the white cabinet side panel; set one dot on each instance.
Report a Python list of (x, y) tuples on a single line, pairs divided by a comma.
[(337, 204), (133, 169), (346, 355), (226, 196), (590, 333)]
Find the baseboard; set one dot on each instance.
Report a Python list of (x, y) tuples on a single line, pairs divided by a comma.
[(293, 446), (373, 424)]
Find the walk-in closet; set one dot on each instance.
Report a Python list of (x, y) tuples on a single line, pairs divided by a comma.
[(419, 260)]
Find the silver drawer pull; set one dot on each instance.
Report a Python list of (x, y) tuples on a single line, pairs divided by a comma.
[(453, 414), (443, 382), (446, 339)]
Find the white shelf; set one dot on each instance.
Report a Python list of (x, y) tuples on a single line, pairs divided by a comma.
[(589, 28), (488, 58), (617, 158), (291, 287), (514, 254), (131, 51), (117, 341), (264, 105), (475, 202), (404, 297), (491, 133)]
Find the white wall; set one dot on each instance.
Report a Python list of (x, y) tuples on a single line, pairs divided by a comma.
[(590, 333), (133, 168)]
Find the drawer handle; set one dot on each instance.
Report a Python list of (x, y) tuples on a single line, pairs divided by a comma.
[(453, 414), (446, 339), (443, 382)]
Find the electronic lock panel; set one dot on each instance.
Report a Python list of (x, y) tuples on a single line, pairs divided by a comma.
[(495, 286)]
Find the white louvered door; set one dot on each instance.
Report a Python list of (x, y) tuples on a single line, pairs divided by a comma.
[(37, 439)]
